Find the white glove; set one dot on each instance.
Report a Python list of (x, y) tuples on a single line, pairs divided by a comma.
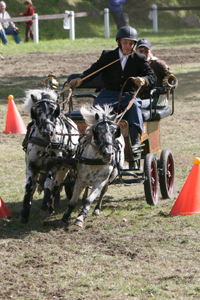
[(139, 81), (74, 83)]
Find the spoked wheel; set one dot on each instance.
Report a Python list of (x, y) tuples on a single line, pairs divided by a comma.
[(167, 173), (151, 179)]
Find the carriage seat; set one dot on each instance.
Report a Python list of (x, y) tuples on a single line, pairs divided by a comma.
[(154, 113), (157, 114)]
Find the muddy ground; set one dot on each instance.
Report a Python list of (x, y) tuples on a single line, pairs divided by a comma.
[(62, 64), (132, 251), (18, 74)]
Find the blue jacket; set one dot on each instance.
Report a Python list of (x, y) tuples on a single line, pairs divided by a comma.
[(115, 5)]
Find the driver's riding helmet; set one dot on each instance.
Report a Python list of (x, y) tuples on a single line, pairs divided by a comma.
[(128, 33)]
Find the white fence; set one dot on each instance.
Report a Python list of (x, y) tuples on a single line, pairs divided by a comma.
[(68, 16)]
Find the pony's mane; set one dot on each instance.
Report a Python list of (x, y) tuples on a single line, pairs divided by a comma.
[(28, 102), (89, 114)]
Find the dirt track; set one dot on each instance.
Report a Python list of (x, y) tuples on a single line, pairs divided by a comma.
[(132, 251), (40, 64)]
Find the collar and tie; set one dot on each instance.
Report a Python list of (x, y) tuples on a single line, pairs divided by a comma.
[(123, 60)]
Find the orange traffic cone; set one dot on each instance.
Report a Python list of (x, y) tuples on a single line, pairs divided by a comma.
[(14, 122), (4, 211), (188, 201)]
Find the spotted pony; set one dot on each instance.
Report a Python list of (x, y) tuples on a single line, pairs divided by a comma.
[(101, 155), (50, 136)]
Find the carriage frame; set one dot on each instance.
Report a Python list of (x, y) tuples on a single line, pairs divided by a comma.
[(158, 166)]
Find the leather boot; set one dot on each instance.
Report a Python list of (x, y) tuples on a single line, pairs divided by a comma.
[(135, 141), (135, 136)]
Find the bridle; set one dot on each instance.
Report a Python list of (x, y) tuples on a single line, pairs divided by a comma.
[(45, 121), (103, 122)]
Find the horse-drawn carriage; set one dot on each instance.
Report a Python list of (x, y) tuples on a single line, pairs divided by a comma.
[(56, 150), (158, 167)]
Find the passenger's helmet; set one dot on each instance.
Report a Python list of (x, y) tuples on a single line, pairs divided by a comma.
[(128, 33)]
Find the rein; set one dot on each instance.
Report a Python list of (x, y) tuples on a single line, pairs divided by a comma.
[(120, 116), (99, 70), (74, 134), (69, 99)]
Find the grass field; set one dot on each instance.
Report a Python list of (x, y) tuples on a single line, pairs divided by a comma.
[(132, 251), (90, 27)]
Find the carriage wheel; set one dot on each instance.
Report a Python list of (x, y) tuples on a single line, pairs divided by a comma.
[(151, 179), (167, 173)]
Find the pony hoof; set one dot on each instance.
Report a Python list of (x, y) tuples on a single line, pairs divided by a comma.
[(44, 213), (23, 220), (65, 219), (79, 223), (96, 212)]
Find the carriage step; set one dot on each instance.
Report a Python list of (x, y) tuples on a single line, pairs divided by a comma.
[(137, 147), (136, 151)]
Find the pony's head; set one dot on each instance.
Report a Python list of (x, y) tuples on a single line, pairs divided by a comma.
[(44, 110), (103, 129)]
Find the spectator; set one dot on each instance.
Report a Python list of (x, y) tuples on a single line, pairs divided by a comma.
[(29, 24), (116, 75), (159, 66), (7, 28), (116, 8)]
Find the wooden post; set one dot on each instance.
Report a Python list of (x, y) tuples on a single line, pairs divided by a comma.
[(106, 23), (35, 29), (72, 26)]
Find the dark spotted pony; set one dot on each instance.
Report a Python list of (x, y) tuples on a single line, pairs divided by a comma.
[(50, 136), (101, 156)]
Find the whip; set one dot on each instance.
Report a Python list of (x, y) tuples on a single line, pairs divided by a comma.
[(97, 71)]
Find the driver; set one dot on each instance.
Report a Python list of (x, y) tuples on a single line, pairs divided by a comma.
[(115, 75)]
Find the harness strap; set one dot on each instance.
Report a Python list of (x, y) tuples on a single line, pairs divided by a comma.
[(68, 121), (99, 70), (46, 121), (80, 160), (38, 141), (92, 161)]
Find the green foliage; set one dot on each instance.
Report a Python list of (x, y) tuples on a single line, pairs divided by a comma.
[(93, 26)]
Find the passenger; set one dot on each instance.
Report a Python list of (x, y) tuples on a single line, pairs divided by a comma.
[(115, 75), (7, 28), (160, 68)]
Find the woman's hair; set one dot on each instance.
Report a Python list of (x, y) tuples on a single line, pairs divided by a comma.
[(28, 2), (3, 3)]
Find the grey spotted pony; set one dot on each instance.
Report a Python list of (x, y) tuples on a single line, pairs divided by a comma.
[(46, 141), (101, 154)]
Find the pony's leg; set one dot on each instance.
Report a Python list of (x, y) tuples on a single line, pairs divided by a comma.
[(29, 192), (97, 209), (96, 190), (51, 187), (60, 176), (78, 188), (85, 194)]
